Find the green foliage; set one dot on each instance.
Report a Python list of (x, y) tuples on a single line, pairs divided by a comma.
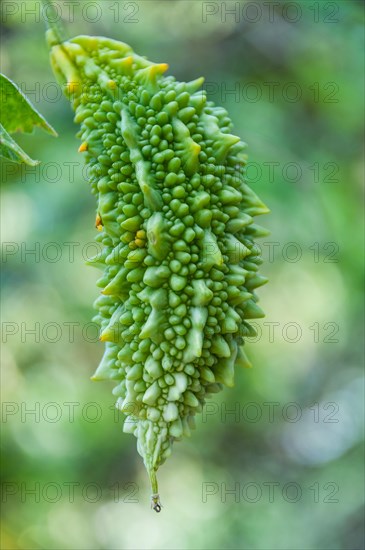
[(17, 114)]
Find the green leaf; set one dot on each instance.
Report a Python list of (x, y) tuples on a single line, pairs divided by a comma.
[(10, 150), (17, 114)]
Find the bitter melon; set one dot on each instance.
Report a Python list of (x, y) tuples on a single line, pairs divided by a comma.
[(176, 228)]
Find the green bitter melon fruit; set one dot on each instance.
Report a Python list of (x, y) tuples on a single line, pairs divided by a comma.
[(176, 227)]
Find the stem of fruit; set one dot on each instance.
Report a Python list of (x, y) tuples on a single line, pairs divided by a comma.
[(56, 31), (155, 499)]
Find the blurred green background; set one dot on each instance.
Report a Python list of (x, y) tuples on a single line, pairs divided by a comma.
[(291, 77)]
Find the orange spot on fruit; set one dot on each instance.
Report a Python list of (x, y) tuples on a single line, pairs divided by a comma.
[(99, 223), (83, 147)]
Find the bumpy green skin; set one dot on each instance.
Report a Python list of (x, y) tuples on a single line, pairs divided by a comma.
[(176, 220)]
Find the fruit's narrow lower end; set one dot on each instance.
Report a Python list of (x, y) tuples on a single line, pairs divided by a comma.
[(155, 498)]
